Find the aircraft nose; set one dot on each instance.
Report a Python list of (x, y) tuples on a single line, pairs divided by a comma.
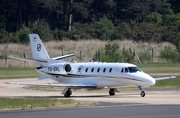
[(152, 81)]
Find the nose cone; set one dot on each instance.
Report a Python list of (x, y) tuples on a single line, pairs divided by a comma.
[(152, 81), (149, 80)]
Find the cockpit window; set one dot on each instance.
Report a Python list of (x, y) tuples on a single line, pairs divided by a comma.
[(134, 69), (126, 70)]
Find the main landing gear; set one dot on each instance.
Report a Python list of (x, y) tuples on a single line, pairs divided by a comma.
[(142, 91), (67, 92), (112, 91)]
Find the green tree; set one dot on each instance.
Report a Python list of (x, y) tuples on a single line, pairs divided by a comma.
[(104, 28), (2, 22), (175, 5), (111, 53), (124, 27), (172, 19), (177, 42), (154, 17), (22, 36), (41, 27)]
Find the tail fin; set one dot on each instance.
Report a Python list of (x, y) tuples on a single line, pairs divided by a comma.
[(38, 49)]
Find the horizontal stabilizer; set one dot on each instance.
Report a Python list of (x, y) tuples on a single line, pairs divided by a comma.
[(27, 59), (63, 57), (56, 85), (165, 78), (44, 77)]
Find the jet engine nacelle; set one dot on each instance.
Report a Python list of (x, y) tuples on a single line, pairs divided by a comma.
[(62, 68)]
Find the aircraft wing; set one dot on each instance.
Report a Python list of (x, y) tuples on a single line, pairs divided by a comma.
[(62, 57), (165, 78), (56, 85), (27, 59)]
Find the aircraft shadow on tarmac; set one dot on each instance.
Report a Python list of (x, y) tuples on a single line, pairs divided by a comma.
[(87, 96)]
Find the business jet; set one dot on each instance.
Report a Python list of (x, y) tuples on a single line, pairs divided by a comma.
[(89, 75)]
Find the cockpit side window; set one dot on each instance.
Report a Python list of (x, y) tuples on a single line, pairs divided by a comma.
[(134, 69), (126, 70)]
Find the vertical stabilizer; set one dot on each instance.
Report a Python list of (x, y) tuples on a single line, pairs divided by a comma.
[(38, 49)]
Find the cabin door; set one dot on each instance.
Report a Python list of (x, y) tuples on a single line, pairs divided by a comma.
[(79, 70)]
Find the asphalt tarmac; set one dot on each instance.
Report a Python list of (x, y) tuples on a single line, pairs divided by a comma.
[(158, 103), (103, 111)]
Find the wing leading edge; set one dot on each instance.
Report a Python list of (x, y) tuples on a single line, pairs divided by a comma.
[(165, 78)]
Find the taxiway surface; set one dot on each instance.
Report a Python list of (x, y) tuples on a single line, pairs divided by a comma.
[(114, 111), (153, 96), (163, 103)]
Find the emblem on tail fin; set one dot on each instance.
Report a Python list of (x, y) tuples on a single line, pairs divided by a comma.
[(39, 47)]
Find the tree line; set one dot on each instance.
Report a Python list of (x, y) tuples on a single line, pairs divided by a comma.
[(140, 20)]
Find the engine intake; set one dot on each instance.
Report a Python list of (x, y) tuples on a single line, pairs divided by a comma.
[(58, 68), (67, 68)]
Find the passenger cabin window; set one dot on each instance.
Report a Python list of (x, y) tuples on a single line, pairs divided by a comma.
[(98, 69), (104, 70), (92, 69), (126, 70), (86, 70), (134, 69), (122, 70), (110, 70)]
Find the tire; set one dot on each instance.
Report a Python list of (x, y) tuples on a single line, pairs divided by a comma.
[(142, 93), (67, 94), (111, 92)]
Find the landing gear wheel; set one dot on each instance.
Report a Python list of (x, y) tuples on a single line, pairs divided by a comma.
[(111, 92), (68, 93), (142, 94)]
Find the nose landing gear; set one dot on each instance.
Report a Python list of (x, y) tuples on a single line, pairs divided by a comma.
[(142, 91), (142, 94)]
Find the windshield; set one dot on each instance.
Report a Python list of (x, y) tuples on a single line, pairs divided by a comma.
[(134, 69)]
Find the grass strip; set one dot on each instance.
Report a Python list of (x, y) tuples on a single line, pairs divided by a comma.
[(39, 103), (169, 83), (8, 73), (160, 67)]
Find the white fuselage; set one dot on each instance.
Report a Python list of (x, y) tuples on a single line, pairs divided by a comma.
[(104, 75)]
